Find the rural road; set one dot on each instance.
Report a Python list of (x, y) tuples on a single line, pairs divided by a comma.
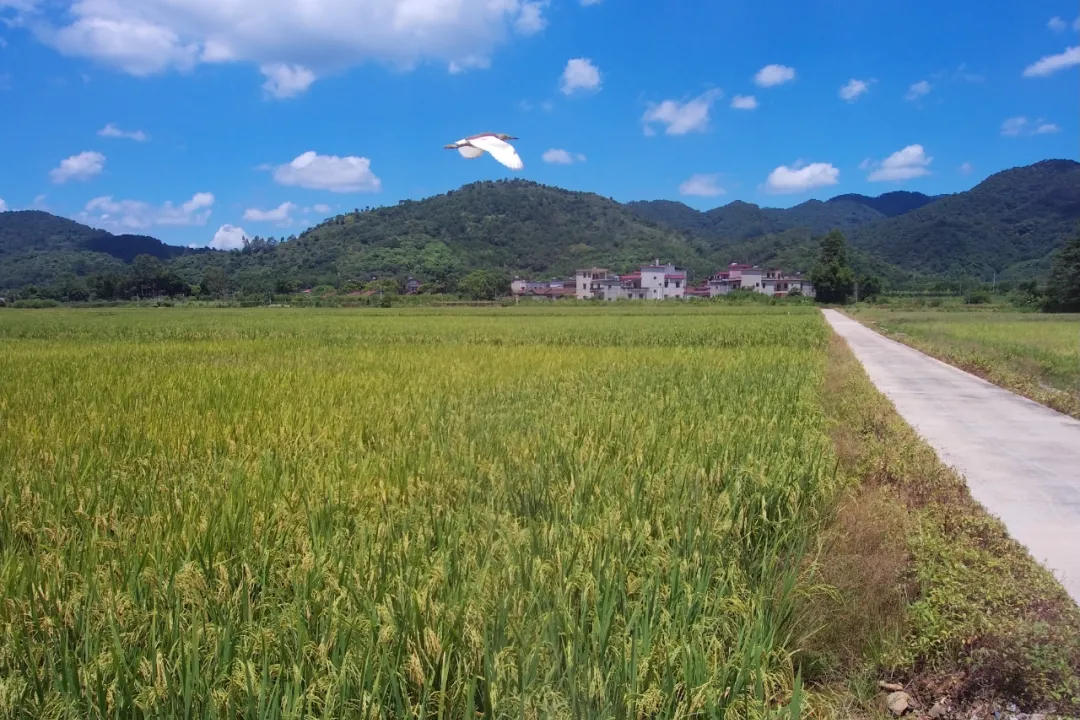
[(1021, 459)]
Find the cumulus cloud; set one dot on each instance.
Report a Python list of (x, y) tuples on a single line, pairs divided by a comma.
[(853, 89), (286, 81), (1052, 63), (744, 102), (229, 237), (771, 75), (590, 2), (321, 208), (144, 37), (83, 166), (111, 131), (1046, 128), (281, 214), (909, 162), (329, 172), (801, 178), (579, 75), (965, 168), (702, 185), (3, 205), (557, 156), (681, 118), (918, 90), (1056, 24), (128, 215)]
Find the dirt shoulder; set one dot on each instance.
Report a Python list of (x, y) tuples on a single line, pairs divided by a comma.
[(915, 584)]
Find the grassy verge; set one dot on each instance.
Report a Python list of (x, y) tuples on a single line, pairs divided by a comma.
[(1035, 355), (926, 589)]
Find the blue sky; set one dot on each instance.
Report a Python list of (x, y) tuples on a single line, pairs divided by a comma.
[(178, 118)]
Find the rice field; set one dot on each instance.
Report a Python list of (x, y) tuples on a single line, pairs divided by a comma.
[(388, 514)]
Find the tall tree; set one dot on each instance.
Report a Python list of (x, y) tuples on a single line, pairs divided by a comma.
[(833, 278), (1063, 288)]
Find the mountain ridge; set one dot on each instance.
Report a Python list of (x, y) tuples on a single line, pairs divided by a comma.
[(1008, 224)]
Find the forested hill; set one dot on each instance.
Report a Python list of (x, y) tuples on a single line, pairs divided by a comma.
[(37, 248), (738, 221), (1010, 223)]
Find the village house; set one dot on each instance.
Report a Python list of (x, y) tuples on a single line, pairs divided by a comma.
[(652, 282), (542, 290), (769, 281)]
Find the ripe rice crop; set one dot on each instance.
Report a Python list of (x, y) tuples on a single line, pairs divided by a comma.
[(540, 513)]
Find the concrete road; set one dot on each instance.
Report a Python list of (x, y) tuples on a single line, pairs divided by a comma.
[(1021, 459)]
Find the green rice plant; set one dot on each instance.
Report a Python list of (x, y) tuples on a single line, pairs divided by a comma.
[(508, 513)]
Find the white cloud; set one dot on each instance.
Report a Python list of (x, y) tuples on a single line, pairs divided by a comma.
[(681, 118), (229, 237), (918, 90), (579, 74), (744, 102), (702, 185), (771, 75), (1021, 125), (144, 37), (470, 62), (321, 208), (129, 215), (853, 89), (329, 172), (279, 214), (286, 81), (83, 166), (112, 131), (39, 202), (530, 19), (590, 2), (1052, 63), (1014, 126), (800, 178), (557, 156), (1056, 24), (3, 205), (909, 162), (965, 168)]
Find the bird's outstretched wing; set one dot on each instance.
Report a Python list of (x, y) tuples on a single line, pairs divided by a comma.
[(500, 150)]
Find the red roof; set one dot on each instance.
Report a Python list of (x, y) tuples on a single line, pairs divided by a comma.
[(630, 276)]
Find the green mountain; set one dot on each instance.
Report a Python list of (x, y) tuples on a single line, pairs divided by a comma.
[(38, 248), (740, 220), (1010, 223), (890, 204)]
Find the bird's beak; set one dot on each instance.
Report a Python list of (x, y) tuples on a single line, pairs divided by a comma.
[(513, 137), (449, 147)]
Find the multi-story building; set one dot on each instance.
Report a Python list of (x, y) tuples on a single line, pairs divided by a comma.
[(769, 281), (651, 282), (587, 282)]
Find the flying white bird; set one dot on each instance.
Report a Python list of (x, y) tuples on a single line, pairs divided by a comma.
[(494, 143)]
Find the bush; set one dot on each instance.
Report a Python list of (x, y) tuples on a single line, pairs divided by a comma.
[(35, 303), (977, 297)]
